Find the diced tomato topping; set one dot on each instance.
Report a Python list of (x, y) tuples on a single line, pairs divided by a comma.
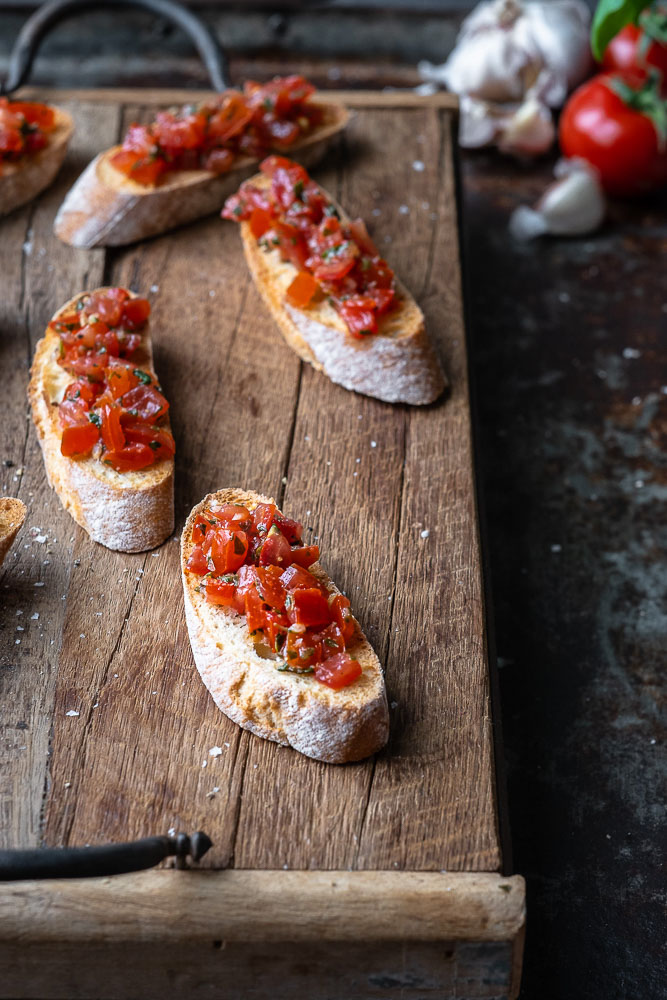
[(301, 289), (197, 562), (260, 222), (146, 403), (79, 440), (305, 555), (212, 135), (338, 671), (24, 128), (336, 258), (135, 313), (220, 591), (308, 607), (131, 458), (114, 407), (250, 562), (276, 550)]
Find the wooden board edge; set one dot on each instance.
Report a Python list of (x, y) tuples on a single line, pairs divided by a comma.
[(169, 906), (167, 95)]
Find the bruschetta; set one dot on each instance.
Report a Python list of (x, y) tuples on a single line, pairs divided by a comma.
[(12, 516), (33, 144), (273, 638), (102, 420), (184, 164), (336, 300)]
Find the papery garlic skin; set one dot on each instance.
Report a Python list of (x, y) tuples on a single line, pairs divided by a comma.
[(512, 61), (507, 50), (573, 206)]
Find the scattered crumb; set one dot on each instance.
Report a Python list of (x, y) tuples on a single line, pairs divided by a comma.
[(215, 751), (284, 480), (68, 784), (33, 618), (72, 714)]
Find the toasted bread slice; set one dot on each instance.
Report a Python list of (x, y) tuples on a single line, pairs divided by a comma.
[(105, 208), (12, 516), (397, 365), (129, 511), (22, 181), (297, 711)]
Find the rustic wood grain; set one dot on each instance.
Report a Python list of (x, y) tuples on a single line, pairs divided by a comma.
[(251, 906), (245, 412), (37, 276), (195, 971)]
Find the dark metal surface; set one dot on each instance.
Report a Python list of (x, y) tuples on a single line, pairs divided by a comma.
[(105, 859), (571, 371), (34, 30)]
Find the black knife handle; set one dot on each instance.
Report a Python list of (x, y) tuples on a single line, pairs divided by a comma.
[(40, 23), (106, 859)]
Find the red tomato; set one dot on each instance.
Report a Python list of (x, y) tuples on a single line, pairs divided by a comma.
[(220, 591), (226, 549), (305, 555), (145, 402), (228, 119), (262, 517), (276, 550), (260, 222), (120, 378), (296, 576), (633, 48), (131, 458), (308, 607), (135, 313), (601, 124), (106, 305), (112, 431), (197, 562), (91, 365), (218, 161), (36, 114), (338, 671), (270, 587), (78, 440), (301, 290), (174, 134), (302, 651), (161, 441), (341, 614), (359, 313)]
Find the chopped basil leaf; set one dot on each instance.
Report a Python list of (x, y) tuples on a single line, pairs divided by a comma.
[(95, 419), (238, 210), (142, 376), (230, 578), (298, 189), (154, 445), (332, 643), (332, 210), (280, 641)]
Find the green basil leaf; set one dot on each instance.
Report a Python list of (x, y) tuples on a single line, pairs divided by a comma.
[(610, 16)]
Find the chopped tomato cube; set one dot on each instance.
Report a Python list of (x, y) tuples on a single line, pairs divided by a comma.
[(302, 650), (270, 586), (219, 161), (131, 458), (112, 431), (197, 561), (300, 292), (260, 222), (305, 555), (226, 549), (78, 440), (308, 607), (276, 549), (220, 591), (120, 378), (295, 576), (338, 671), (145, 402), (135, 313), (341, 614)]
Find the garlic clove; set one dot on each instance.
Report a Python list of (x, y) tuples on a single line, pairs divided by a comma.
[(529, 131), (572, 206)]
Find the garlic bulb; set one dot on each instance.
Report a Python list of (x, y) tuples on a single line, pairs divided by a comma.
[(573, 206), (509, 52), (526, 130)]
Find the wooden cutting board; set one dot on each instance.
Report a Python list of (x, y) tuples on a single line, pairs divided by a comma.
[(108, 732)]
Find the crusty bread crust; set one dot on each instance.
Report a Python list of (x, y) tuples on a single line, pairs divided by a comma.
[(398, 365), (105, 208), (12, 516), (129, 511), (293, 710), (20, 182)]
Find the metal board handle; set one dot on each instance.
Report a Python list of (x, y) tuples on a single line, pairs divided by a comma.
[(40, 23)]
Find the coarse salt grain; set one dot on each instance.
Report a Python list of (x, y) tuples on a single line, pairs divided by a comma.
[(215, 752), (425, 533), (418, 165), (72, 714)]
